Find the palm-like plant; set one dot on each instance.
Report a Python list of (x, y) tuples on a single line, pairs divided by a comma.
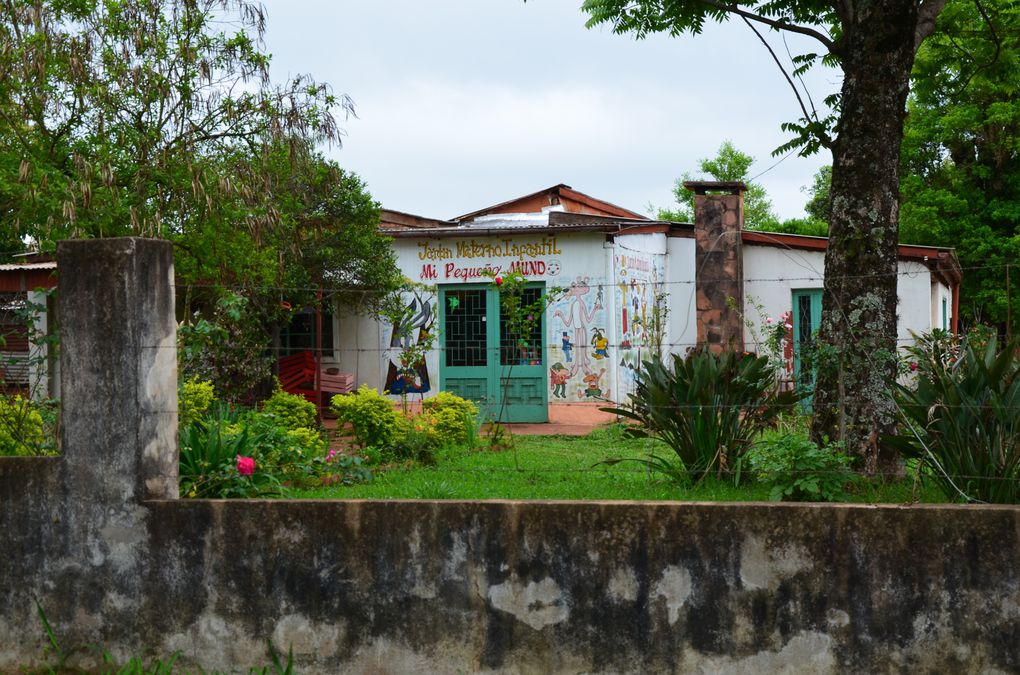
[(707, 407), (962, 423)]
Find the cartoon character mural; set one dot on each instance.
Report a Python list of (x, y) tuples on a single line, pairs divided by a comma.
[(404, 377), (576, 329), (558, 376), (638, 276), (592, 383), (601, 344)]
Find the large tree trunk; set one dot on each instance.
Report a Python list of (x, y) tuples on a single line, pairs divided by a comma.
[(856, 357)]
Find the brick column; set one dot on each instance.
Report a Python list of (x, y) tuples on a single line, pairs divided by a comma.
[(719, 263)]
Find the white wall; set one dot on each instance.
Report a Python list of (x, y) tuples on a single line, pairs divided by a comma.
[(683, 325), (771, 274)]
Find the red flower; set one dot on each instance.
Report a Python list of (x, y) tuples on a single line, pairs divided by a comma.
[(913, 366), (499, 281), (245, 465)]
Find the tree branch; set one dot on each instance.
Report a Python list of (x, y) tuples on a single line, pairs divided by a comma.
[(824, 138), (774, 23), (927, 13)]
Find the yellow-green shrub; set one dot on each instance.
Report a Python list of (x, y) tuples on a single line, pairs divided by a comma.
[(21, 427), (194, 397), (373, 419), (291, 411), (451, 416)]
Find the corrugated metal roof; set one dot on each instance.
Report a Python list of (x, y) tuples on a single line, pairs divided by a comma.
[(16, 267)]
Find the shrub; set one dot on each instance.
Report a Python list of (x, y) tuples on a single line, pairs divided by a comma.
[(194, 397), (291, 411), (962, 424), (21, 428), (373, 419), (453, 418), (798, 470), (707, 407)]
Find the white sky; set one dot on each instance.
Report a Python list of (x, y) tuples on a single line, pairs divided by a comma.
[(466, 103)]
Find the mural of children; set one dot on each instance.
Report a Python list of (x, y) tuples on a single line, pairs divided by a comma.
[(558, 376), (593, 389), (567, 346), (601, 344)]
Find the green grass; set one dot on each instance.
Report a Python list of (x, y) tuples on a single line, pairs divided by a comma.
[(566, 467)]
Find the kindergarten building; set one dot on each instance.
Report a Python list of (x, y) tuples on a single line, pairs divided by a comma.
[(630, 287)]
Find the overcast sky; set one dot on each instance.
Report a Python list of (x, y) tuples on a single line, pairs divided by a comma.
[(466, 103)]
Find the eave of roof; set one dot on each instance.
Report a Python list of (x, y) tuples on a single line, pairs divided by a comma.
[(20, 277), (559, 221), (940, 260), (563, 191)]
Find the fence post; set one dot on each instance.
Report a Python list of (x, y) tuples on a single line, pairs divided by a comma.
[(118, 367), (118, 373)]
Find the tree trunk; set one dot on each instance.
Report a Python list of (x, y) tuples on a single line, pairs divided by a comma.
[(856, 357)]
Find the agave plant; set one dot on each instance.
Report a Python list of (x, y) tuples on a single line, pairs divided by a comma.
[(962, 424), (707, 407)]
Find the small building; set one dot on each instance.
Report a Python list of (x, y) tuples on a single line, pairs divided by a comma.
[(631, 287), (27, 363)]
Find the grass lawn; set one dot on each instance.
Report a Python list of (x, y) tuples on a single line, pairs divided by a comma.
[(566, 467)]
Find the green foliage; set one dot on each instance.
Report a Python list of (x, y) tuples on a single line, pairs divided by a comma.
[(228, 350), (23, 428), (796, 469), (819, 206), (118, 117), (193, 400), (209, 461), (372, 418), (453, 418), (292, 412), (960, 183), (961, 422), (729, 164), (706, 407)]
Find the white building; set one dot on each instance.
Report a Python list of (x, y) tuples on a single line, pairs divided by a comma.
[(631, 286)]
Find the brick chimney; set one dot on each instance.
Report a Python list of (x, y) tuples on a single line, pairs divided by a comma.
[(719, 262)]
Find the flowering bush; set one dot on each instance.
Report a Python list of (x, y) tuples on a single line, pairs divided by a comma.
[(245, 465)]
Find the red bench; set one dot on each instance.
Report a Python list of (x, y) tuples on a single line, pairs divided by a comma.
[(297, 376)]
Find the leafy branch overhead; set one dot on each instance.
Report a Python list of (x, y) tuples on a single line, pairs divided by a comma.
[(119, 118)]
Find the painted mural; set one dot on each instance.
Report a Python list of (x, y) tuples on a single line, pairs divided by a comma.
[(638, 277), (407, 375), (580, 347)]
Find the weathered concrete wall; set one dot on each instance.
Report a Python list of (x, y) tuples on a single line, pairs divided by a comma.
[(449, 587)]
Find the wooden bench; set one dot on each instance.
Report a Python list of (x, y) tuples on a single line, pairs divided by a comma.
[(297, 376)]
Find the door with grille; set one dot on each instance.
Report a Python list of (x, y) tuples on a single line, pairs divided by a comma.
[(807, 318), (482, 361)]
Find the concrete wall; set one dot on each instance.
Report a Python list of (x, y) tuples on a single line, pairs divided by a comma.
[(99, 539)]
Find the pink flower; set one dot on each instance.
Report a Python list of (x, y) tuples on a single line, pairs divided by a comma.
[(913, 366), (331, 455), (245, 465), (768, 320), (499, 281)]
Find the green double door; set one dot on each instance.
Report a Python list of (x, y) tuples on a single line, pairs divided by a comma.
[(504, 374)]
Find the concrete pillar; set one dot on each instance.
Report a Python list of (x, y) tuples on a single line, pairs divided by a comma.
[(118, 365), (719, 263)]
